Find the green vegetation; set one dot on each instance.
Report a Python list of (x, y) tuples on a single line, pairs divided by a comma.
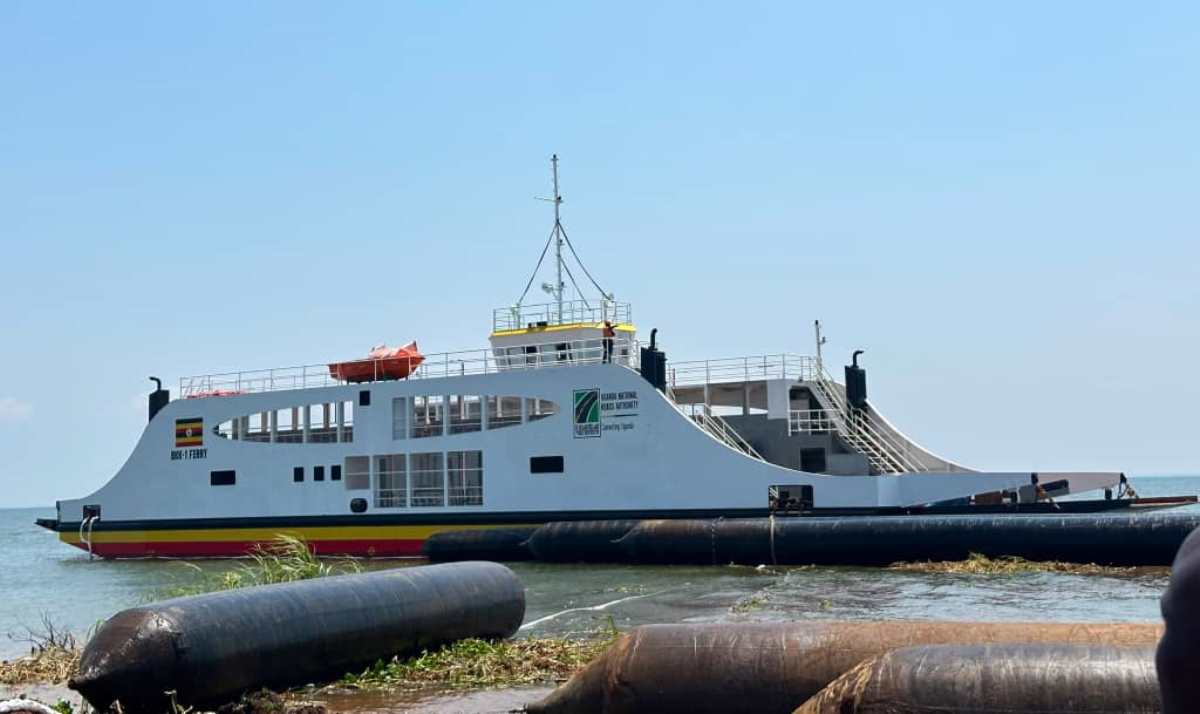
[(285, 559), (482, 663), (979, 564)]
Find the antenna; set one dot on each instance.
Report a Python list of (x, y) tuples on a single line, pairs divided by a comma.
[(820, 341), (557, 236)]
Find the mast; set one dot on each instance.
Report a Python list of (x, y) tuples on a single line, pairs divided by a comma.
[(558, 240)]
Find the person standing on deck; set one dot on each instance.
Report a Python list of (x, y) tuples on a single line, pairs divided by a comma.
[(609, 334)]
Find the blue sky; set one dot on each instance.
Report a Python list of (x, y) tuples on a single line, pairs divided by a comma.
[(997, 202)]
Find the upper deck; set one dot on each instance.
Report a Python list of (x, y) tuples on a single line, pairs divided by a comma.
[(490, 360), (518, 318)]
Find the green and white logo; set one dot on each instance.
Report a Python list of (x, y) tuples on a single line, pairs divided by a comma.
[(587, 413)]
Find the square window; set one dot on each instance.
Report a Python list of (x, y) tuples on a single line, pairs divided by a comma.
[(222, 478), (318, 473), (335, 472), (364, 398), (298, 474)]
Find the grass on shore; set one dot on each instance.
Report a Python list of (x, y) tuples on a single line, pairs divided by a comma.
[(979, 564), (475, 663), (285, 559)]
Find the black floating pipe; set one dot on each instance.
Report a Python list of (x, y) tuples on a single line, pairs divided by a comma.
[(1108, 539), (209, 649), (503, 544)]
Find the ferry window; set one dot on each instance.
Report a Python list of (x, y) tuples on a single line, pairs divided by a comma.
[(364, 398), (318, 473), (539, 408), (391, 491), (545, 464), (320, 424), (358, 473), (503, 411), (225, 430), (298, 474), (287, 426), (465, 415), (400, 418), (222, 478), (464, 478), (345, 418), (335, 472), (428, 479), (428, 414)]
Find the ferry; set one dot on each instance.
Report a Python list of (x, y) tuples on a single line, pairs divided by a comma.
[(567, 414)]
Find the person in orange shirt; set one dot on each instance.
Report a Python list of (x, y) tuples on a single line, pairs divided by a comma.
[(609, 334)]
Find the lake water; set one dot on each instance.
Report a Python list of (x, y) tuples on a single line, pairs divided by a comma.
[(46, 577)]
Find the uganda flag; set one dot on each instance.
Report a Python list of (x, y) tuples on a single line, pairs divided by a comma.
[(189, 432)]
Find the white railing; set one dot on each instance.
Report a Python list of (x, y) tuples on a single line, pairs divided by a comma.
[(520, 317), (810, 421), (738, 369), (715, 426), (444, 364), (854, 426)]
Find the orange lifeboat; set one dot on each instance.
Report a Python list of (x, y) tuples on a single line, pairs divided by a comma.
[(382, 362)]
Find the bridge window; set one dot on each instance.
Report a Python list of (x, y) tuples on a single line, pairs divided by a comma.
[(464, 475), (503, 411)]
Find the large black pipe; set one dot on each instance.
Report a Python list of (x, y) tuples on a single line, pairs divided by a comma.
[(1178, 656), (1107, 539), (503, 544), (979, 679), (772, 668), (210, 648), (580, 541)]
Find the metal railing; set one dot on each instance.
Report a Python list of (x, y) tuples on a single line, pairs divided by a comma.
[(520, 317), (854, 425), (810, 421), (717, 427), (445, 364), (737, 369)]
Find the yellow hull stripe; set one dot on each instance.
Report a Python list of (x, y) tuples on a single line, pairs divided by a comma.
[(309, 533), (557, 328)]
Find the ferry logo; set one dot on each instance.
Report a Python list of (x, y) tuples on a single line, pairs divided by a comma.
[(587, 413), (189, 432)]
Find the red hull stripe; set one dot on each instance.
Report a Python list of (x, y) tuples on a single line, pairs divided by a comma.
[(389, 548)]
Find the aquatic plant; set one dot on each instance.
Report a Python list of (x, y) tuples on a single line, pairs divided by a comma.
[(286, 558), (484, 663), (979, 564)]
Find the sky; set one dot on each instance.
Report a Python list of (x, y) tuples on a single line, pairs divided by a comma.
[(997, 202)]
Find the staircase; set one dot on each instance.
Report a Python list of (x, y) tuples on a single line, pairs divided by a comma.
[(854, 426), (716, 427)]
